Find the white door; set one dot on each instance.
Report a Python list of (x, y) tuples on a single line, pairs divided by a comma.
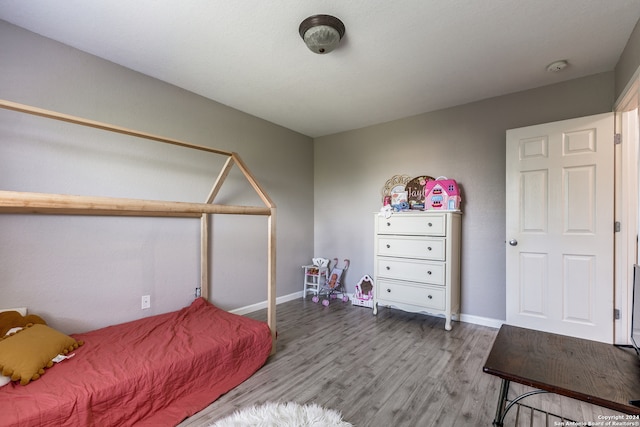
[(560, 225)]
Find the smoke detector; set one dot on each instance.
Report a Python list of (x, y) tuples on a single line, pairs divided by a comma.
[(557, 66)]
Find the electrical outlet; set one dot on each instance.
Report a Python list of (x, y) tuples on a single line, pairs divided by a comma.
[(146, 301)]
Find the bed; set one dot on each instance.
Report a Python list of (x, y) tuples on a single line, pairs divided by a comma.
[(156, 370)]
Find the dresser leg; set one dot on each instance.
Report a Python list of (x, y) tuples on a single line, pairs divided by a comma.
[(375, 308), (447, 323)]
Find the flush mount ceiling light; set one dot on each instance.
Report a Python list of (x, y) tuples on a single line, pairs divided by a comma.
[(557, 66), (321, 33)]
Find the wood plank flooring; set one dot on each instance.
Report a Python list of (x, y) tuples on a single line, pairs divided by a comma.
[(393, 369)]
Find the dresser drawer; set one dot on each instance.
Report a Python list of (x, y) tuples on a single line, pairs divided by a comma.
[(424, 296), (433, 225), (412, 247), (410, 269)]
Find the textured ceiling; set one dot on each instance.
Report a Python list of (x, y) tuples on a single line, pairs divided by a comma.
[(397, 59)]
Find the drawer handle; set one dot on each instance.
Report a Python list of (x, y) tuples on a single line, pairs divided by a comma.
[(430, 297), (388, 290), (429, 248), (429, 272), (430, 224), (388, 268), (388, 246), (388, 224)]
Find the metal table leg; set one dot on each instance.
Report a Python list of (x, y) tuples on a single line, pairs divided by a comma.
[(502, 400), (501, 410)]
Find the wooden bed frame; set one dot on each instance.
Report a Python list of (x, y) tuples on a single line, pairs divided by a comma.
[(42, 203)]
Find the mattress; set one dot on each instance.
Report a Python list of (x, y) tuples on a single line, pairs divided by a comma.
[(154, 371)]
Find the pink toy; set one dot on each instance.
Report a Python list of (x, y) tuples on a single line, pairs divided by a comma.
[(364, 292), (442, 194)]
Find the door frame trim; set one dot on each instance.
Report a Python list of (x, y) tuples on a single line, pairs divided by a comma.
[(626, 206)]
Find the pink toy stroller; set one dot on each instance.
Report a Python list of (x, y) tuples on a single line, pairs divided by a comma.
[(333, 285)]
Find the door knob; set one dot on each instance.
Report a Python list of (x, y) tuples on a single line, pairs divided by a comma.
[(513, 242)]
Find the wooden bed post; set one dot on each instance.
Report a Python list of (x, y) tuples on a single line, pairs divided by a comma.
[(271, 269), (204, 256), (271, 284)]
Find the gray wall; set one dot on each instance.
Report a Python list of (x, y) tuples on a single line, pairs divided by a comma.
[(629, 61), (85, 272), (466, 143)]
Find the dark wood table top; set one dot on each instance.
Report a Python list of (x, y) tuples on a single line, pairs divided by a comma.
[(591, 371)]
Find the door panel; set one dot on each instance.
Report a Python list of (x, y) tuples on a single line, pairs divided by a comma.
[(579, 209), (533, 284), (559, 207), (535, 201), (578, 288)]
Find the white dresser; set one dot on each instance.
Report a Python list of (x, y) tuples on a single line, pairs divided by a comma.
[(417, 262)]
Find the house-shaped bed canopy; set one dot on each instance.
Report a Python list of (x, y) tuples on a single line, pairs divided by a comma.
[(42, 203)]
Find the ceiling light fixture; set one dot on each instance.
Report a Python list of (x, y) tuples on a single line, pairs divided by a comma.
[(321, 33), (557, 66)]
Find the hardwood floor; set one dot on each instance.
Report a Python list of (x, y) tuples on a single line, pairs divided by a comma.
[(393, 369)]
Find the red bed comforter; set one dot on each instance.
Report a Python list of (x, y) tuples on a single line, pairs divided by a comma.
[(154, 371)]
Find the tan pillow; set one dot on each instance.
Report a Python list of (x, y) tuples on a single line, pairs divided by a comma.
[(25, 354)]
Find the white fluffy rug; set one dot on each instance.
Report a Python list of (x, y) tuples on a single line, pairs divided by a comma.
[(288, 414)]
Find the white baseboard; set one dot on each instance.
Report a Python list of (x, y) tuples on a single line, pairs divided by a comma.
[(467, 318), (484, 321), (263, 304)]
